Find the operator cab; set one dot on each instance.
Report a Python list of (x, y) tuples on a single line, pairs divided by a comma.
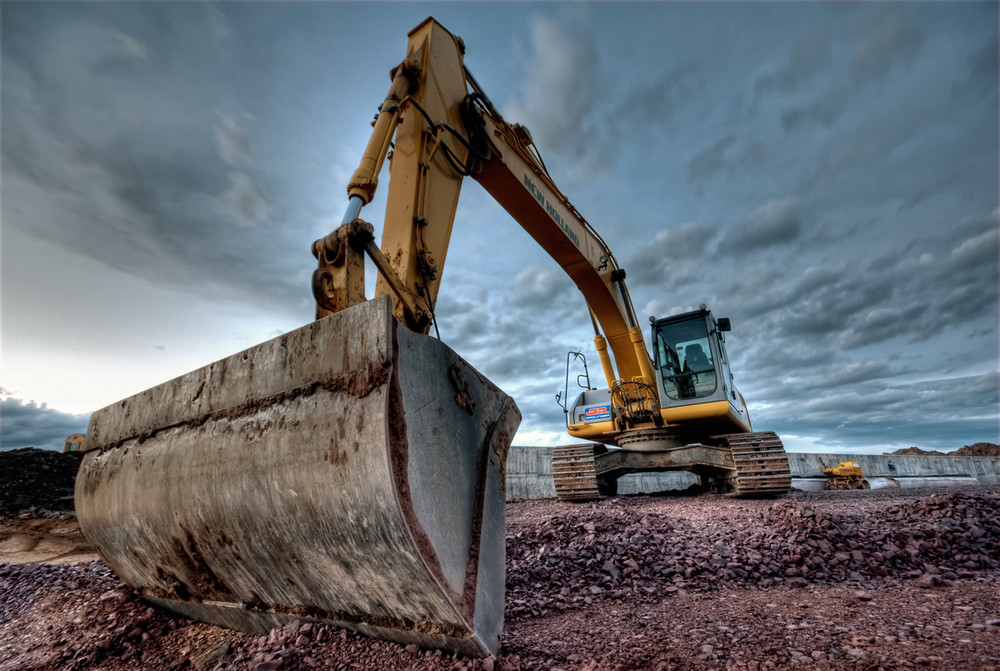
[(694, 383), (690, 358)]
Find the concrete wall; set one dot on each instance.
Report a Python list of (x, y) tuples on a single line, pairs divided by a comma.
[(984, 469), (529, 471)]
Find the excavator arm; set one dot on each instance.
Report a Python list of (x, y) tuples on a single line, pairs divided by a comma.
[(438, 133)]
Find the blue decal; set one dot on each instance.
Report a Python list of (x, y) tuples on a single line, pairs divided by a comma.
[(597, 413)]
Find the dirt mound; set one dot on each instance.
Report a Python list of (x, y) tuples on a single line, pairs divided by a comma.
[(916, 451), (974, 450), (978, 450), (37, 479)]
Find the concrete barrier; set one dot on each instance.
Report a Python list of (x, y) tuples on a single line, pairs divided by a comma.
[(529, 472), (912, 482)]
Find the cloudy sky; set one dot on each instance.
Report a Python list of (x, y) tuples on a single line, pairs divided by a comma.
[(824, 174)]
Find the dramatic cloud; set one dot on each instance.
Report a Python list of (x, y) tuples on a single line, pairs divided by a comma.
[(247, 205), (980, 77), (710, 161), (929, 411), (233, 140), (823, 111), (28, 424), (808, 57), (542, 289), (672, 258), (562, 65), (886, 39), (654, 104), (773, 223), (122, 161)]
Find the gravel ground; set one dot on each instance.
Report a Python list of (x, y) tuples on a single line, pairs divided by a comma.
[(885, 579)]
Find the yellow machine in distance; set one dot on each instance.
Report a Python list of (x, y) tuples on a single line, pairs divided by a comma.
[(845, 475), (352, 471), (74, 443)]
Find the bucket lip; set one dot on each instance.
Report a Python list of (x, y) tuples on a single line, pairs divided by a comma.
[(253, 376)]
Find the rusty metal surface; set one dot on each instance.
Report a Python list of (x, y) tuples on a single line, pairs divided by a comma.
[(578, 471), (339, 281), (573, 472), (743, 464), (336, 473), (847, 482), (762, 468), (694, 457)]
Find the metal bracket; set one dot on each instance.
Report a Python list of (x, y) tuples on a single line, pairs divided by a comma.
[(339, 282)]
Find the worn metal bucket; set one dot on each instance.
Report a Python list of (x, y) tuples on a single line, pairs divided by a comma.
[(349, 472)]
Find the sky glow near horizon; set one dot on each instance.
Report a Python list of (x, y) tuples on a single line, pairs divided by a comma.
[(824, 174)]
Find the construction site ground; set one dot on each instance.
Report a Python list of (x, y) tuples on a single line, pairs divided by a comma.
[(876, 579)]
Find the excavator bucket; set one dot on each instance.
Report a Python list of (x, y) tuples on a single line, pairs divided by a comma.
[(349, 472)]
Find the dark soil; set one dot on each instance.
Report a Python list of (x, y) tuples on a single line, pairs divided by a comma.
[(39, 479)]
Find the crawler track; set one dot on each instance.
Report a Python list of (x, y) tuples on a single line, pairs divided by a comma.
[(574, 473), (762, 469)]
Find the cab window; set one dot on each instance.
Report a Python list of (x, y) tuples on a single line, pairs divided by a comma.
[(684, 356)]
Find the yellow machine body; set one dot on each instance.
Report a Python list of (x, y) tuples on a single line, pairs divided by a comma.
[(74, 443), (845, 475)]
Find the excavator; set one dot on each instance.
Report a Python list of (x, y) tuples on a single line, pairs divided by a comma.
[(352, 471), (685, 415)]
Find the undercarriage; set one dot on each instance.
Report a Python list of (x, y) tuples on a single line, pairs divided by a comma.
[(743, 465)]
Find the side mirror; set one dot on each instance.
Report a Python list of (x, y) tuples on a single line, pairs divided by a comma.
[(724, 324)]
